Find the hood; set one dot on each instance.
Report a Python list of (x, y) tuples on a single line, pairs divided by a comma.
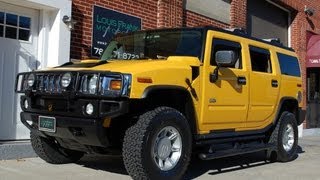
[(130, 66)]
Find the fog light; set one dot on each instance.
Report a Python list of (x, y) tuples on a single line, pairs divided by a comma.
[(89, 109), (26, 104)]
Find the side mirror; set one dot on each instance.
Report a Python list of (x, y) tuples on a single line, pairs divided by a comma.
[(223, 58)]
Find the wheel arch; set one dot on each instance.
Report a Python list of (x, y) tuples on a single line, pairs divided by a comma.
[(289, 104), (177, 97)]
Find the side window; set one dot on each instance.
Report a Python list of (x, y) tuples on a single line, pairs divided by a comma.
[(289, 65), (221, 44), (260, 60)]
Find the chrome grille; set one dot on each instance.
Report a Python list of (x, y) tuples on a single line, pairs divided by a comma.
[(49, 83)]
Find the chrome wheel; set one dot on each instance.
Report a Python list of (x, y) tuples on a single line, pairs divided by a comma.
[(167, 148), (288, 137)]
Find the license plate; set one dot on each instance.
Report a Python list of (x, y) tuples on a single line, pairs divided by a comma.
[(47, 124)]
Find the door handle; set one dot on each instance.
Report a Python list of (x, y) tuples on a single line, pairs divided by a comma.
[(242, 80), (274, 83)]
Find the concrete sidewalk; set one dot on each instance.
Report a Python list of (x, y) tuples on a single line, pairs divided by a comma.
[(252, 166)]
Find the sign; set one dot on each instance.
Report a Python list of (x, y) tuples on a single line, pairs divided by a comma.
[(106, 23)]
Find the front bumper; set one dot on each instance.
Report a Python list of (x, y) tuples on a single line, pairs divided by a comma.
[(77, 130)]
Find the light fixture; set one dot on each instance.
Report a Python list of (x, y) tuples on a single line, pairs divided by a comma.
[(309, 11), (69, 22)]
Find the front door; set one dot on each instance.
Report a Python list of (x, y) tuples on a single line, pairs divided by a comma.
[(18, 53), (225, 102)]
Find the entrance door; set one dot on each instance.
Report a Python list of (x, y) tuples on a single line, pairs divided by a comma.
[(313, 80), (18, 53)]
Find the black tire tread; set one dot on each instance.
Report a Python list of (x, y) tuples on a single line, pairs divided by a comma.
[(133, 144), (47, 150)]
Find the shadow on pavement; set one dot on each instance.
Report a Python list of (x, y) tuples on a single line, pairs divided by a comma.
[(197, 167), (113, 164)]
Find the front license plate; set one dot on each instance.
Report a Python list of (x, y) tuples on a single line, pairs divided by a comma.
[(47, 124)]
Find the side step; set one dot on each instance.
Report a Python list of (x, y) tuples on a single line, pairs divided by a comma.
[(234, 152)]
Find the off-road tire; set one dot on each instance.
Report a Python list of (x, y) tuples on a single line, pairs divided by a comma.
[(138, 139), (49, 151), (276, 138)]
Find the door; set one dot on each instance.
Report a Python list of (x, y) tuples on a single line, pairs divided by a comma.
[(264, 88), (225, 102), (18, 53)]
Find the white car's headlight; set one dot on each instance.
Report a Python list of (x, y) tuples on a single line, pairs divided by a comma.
[(66, 80), (93, 84), (31, 80)]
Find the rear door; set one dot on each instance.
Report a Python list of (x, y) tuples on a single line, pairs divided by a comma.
[(264, 87)]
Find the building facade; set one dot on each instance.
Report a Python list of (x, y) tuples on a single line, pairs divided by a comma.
[(32, 36), (39, 33)]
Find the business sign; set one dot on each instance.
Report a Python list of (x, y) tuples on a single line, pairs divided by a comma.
[(106, 23)]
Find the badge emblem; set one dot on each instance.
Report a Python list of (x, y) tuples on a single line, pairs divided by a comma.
[(50, 107)]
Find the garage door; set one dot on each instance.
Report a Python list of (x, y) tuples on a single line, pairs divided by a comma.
[(265, 20), (18, 53)]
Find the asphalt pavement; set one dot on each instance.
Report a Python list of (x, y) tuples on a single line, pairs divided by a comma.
[(253, 166)]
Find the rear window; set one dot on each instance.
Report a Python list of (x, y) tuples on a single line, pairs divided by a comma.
[(289, 65)]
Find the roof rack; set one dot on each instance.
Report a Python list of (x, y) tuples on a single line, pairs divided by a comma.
[(238, 30), (274, 41)]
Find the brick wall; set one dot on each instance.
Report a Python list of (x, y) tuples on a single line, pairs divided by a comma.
[(82, 12), (301, 25)]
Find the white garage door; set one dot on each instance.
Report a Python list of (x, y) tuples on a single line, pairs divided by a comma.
[(18, 52)]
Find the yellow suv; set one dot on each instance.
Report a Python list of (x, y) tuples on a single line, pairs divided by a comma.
[(156, 96)]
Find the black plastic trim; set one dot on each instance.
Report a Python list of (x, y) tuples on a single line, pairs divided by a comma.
[(227, 133), (283, 99), (162, 87), (302, 115)]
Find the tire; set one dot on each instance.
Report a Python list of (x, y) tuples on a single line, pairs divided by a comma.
[(152, 130), (51, 152), (286, 147)]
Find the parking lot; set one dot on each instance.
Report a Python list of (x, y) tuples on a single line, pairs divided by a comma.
[(252, 166)]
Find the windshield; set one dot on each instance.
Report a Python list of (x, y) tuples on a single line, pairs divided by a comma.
[(155, 45)]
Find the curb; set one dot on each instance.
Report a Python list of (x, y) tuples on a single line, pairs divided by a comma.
[(16, 150), (311, 132)]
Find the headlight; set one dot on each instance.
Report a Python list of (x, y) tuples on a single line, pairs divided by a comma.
[(31, 80), (93, 84), (89, 109), (66, 80), (104, 84)]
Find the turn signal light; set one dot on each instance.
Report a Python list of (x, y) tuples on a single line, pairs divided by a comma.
[(115, 85), (144, 80)]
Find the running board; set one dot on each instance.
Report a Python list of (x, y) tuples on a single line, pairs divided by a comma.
[(234, 152)]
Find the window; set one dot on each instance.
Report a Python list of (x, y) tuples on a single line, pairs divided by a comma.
[(13, 26), (220, 44), (260, 60), (217, 9), (289, 65)]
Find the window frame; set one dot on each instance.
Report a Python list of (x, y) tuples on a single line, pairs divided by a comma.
[(281, 67), (261, 50), (18, 28)]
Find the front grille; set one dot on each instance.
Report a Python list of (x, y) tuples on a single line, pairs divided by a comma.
[(49, 83)]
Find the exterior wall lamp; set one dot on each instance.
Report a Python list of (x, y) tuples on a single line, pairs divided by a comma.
[(309, 11), (69, 22)]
